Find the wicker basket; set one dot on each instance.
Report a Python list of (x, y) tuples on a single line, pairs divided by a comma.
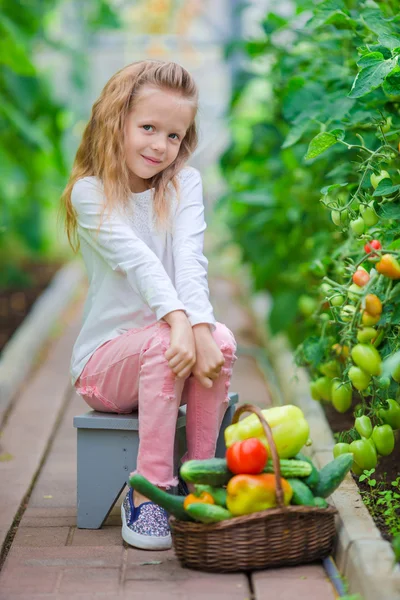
[(287, 535)]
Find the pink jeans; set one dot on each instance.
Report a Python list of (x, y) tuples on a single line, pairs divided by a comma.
[(131, 373)]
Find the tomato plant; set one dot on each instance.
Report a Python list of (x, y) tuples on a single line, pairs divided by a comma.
[(314, 196)]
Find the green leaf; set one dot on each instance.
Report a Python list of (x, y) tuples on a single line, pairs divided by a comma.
[(375, 48), (319, 144), (327, 189), (395, 245), (314, 349), (389, 41), (371, 78), (375, 21), (338, 133), (386, 188), (324, 11), (391, 85), (273, 22), (369, 60), (295, 133), (388, 211), (395, 317), (301, 97)]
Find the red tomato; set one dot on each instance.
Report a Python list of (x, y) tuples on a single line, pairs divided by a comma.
[(374, 245), (247, 457), (361, 277)]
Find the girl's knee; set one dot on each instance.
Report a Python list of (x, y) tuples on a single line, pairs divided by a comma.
[(225, 339)]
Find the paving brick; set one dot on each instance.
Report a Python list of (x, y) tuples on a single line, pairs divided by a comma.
[(63, 556), (41, 536), (212, 587), (48, 521), (49, 511), (106, 536), (114, 518), (30, 425), (58, 476), (89, 580), (161, 566), (20, 579), (301, 572), (292, 585)]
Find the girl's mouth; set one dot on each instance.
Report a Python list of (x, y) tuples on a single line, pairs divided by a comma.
[(151, 161)]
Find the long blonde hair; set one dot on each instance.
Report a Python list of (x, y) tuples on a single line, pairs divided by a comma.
[(101, 152)]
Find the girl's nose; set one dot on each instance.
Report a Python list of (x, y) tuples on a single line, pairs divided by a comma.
[(159, 144)]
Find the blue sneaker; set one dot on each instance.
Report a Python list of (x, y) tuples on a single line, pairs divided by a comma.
[(145, 526)]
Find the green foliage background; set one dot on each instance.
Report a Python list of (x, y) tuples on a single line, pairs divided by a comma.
[(33, 165), (311, 86)]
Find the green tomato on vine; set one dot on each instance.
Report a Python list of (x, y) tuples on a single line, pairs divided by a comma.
[(337, 300), (307, 305), (369, 215), (339, 218), (357, 226), (387, 125), (375, 179)]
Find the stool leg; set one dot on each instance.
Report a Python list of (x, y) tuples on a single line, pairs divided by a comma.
[(227, 420), (105, 459)]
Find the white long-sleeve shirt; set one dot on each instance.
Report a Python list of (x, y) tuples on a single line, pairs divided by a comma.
[(137, 274)]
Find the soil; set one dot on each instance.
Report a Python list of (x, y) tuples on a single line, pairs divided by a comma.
[(386, 471), (16, 302)]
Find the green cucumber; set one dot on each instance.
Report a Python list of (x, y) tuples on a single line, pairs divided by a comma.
[(290, 467), (302, 495), (212, 471), (172, 504), (208, 513), (219, 494), (313, 478), (215, 472), (332, 475), (320, 502)]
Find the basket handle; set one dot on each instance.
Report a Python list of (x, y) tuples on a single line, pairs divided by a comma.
[(275, 458)]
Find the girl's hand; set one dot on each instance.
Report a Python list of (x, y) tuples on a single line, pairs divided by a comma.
[(209, 358), (181, 354)]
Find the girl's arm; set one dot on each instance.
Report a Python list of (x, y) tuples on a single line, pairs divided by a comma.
[(124, 251), (190, 263)]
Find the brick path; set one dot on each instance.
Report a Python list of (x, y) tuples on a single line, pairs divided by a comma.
[(51, 558)]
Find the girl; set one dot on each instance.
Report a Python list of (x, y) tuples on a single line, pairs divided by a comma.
[(149, 339)]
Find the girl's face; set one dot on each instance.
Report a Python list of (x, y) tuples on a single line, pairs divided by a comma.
[(155, 128)]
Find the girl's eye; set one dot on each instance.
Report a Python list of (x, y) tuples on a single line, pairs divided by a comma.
[(145, 126), (176, 136)]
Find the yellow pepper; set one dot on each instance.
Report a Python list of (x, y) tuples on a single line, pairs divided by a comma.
[(251, 493), (290, 429)]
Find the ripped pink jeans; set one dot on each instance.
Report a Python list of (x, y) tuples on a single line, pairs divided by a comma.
[(131, 373)]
